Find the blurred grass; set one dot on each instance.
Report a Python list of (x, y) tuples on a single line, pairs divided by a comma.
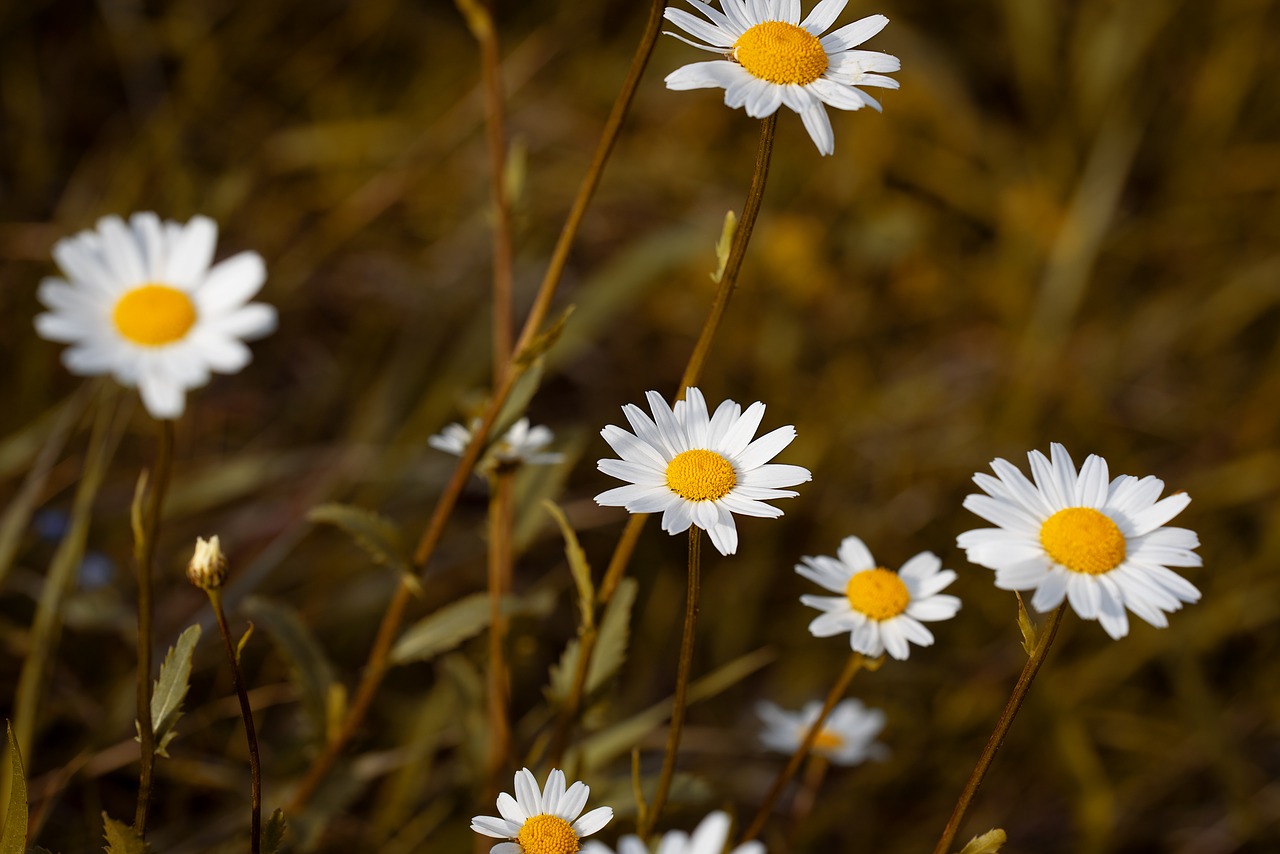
[(1063, 228)]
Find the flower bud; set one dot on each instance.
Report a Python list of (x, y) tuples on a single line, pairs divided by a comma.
[(208, 567)]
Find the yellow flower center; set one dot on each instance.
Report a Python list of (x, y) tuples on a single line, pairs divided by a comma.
[(700, 475), (154, 315), (1083, 540), (547, 834), (828, 740), (878, 593), (781, 53)]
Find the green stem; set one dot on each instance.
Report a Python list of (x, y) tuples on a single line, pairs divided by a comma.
[(376, 666), (1003, 724), (623, 551), (144, 554), (855, 663), (682, 685), (250, 733), (501, 511)]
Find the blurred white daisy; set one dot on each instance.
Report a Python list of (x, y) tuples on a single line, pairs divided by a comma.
[(848, 737), (882, 610), (709, 837), (698, 469), (1101, 543), (772, 58), (141, 302), (520, 444), (545, 822)]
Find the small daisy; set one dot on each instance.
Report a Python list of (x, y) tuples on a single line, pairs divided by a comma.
[(773, 58), (521, 444), (709, 837), (1101, 544), (141, 302), (542, 823), (698, 469), (882, 610), (848, 737)]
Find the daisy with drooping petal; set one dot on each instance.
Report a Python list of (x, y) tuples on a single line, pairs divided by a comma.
[(772, 58), (847, 737), (545, 822), (709, 837), (142, 301), (1103, 544), (882, 610), (698, 469), (521, 444)]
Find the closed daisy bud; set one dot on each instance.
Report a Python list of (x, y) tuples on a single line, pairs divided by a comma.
[(208, 566)]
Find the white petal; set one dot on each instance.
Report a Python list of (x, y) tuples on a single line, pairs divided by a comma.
[(527, 792), (829, 573), (921, 567), (678, 516), (750, 507), (573, 801), (231, 283), (831, 623), (191, 252), (495, 827), (638, 498), (120, 251), (640, 473), (1160, 513), (1083, 594), (852, 35), (823, 16), (826, 603), (1051, 591), (552, 793), (511, 810), (712, 74), (253, 321), (818, 124), (697, 422), (854, 554), (163, 396), (149, 236), (698, 28), (840, 96), (895, 643), (593, 821), (765, 448)]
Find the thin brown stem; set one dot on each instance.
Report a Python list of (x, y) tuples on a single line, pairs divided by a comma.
[(682, 685), (501, 511), (1003, 723), (376, 666), (250, 734), (855, 663), (626, 546), (144, 555)]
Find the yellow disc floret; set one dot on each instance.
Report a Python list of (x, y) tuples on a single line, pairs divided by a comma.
[(547, 834), (828, 740), (154, 315), (878, 593), (781, 53), (1083, 540), (700, 475)]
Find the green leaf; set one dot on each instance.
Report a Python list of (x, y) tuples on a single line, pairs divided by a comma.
[(376, 534), (610, 651), (307, 661), (171, 688), (724, 245), (988, 843), (1027, 627), (273, 833), (443, 630), (522, 392), (14, 840), (121, 838), (577, 565)]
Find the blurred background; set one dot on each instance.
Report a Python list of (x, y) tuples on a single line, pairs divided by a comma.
[(1062, 228)]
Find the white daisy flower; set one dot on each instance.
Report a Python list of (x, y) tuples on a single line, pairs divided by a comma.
[(847, 737), (709, 837), (882, 610), (1101, 544), (772, 58), (544, 822), (698, 469), (520, 444), (141, 302)]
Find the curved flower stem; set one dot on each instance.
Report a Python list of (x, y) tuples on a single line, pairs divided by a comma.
[(501, 510), (1002, 729), (250, 734), (651, 814), (855, 663), (376, 666), (617, 568), (144, 556)]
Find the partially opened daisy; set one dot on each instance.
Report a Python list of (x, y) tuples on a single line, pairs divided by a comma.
[(772, 58), (847, 737), (1103, 544), (142, 302), (709, 837), (546, 822), (880, 609), (521, 444), (698, 469)]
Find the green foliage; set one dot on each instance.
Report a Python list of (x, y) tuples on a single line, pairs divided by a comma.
[(611, 647), (987, 843), (578, 566), (171, 689), (14, 838), (273, 832), (376, 534), (121, 838), (443, 630), (308, 664), (724, 244)]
